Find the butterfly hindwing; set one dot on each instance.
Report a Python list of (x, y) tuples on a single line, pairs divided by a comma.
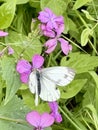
[(49, 92)]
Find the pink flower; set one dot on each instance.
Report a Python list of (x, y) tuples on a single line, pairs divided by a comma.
[(54, 111), (2, 33), (10, 51), (52, 43), (47, 32), (39, 121), (50, 19), (24, 68), (52, 26)]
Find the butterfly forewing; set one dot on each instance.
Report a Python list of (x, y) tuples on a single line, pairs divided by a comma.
[(59, 75)]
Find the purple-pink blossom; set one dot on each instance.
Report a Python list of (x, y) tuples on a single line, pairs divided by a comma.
[(39, 121), (47, 32), (54, 111), (50, 19), (24, 68), (52, 26), (10, 50), (52, 43), (2, 33)]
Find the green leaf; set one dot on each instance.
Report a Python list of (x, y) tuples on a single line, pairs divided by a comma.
[(29, 98), (94, 115), (12, 115), (58, 6), (88, 90), (80, 3), (23, 46), (70, 25), (72, 89), (11, 77), (87, 15), (35, 4), (49, 128), (2, 85), (21, 1), (17, 1), (95, 78), (7, 11), (85, 36), (80, 62)]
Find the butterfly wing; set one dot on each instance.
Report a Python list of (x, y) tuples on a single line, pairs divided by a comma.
[(49, 92), (33, 82), (49, 78), (33, 86), (59, 75)]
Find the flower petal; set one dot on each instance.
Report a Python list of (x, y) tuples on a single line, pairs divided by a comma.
[(60, 29), (10, 51), (33, 118), (47, 32), (2, 33), (50, 34), (45, 15), (53, 106), (59, 19), (49, 12), (51, 45), (46, 120), (23, 66), (37, 61), (54, 111), (65, 46), (52, 24), (24, 77), (57, 116)]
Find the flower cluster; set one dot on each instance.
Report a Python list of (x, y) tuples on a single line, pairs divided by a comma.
[(52, 26)]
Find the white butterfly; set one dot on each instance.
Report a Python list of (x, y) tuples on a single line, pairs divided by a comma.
[(44, 82)]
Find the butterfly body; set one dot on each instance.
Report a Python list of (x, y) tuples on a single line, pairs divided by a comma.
[(38, 81), (44, 82)]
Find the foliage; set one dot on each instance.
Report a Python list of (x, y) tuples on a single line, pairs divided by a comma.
[(79, 100)]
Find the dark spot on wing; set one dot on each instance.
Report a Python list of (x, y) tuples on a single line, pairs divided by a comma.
[(65, 76)]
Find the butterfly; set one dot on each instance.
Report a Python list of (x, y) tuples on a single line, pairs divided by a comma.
[(44, 82)]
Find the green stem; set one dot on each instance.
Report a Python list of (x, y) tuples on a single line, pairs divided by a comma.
[(75, 44), (57, 55), (94, 9), (72, 122), (86, 123), (13, 120), (85, 24), (93, 47), (3, 44), (49, 61), (94, 26)]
